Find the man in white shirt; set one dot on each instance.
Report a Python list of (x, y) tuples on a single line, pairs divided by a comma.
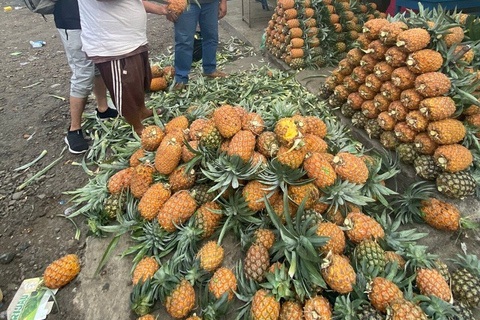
[(114, 37)]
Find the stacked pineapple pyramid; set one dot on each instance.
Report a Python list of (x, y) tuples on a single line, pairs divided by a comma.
[(411, 84), (312, 34)]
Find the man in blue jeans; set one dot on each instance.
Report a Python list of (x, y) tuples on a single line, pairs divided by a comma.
[(206, 15)]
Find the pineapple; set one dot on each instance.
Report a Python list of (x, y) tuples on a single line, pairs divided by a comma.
[(168, 155), (390, 91), (350, 167), (381, 103), (151, 137), (373, 128), (176, 210), (389, 32), (392, 256), (395, 57), (423, 61), (386, 121), (466, 280), (416, 121), (257, 262), (411, 99), (397, 110), (181, 180), (426, 167), (347, 110), (177, 7), (377, 49), (227, 121), (360, 227), (264, 237), (264, 306), (403, 78), (401, 309), (202, 193), (307, 192), (317, 307), (336, 243), (292, 157), (153, 200), (210, 255), (187, 153), (369, 110), (440, 215), (424, 144), (453, 157), (267, 144), (355, 101), (242, 145), (142, 178), (114, 205), (367, 63), (180, 122), (222, 281), (404, 133), (382, 292), (136, 156), (359, 74), (388, 140), (371, 253), (407, 152), (207, 218), (338, 273), (359, 120), (446, 131), (413, 39), (146, 317), (372, 28), (120, 181), (314, 144), (145, 269), (383, 71), (291, 310), (286, 131), (438, 108), (354, 56), (373, 82), (196, 128), (319, 168), (181, 300), (366, 92), (457, 184), (210, 136), (254, 193), (253, 122), (60, 272), (455, 36), (432, 84), (315, 126)]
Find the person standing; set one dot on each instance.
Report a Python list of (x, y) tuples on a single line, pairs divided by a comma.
[(206, 16), (114, 37), (84, 75)]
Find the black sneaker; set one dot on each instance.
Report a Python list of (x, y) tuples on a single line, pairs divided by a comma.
[(109, 114), (76, 142)]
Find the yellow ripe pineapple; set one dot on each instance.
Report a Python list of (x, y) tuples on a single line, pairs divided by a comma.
[(168, 154), (151, 137), (424, 144), (316, 308), (194, 317), (455, 36), (181, 300), (401, 309), (177, 6), (315, 126), (319, 168), (386, 121), (257, 261), (438, 108), (308, 192), (411, 99), (181, 180), (120, 181), (350, 167), (417, 121), (264, 237), (176, 210), (453, 157), (431, 282), (286, 131), (153, 200), (264, 306), (259, 158), (242, 145), (60, 272), (396, 56), (446, 131), (180, 122), (336, 243), (360, 227), (223, 280), (142, 178), (440, 215), (147, 317), (389, 32), (413, 39), (207, 218), (404, 132), (338, 273), (145, 269), (188, 155), (254, 192), (291, 310), (211, 256), (314, 143), (136, 156), (381, 292), (292, 157), (267, 144), (467, 56), (432, 84), (392, 256), (253, 122), (227, 121), (423, 61), (403, 78), (372, 28)]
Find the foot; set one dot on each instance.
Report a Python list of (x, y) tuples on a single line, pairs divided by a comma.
[(108, 114), (179, 86), (215, 74), (76, 142)]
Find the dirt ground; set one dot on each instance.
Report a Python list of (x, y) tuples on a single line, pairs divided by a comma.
[(32, 234)]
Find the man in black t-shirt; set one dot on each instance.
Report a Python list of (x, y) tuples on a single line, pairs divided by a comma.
[(84, 76)]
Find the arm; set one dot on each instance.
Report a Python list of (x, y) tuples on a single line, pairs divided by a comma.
[(222, 9), (155, 8)]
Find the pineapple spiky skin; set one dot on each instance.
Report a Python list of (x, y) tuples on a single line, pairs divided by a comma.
[(211, 256), (373, 128), (442, 267), (114, 205), (142, 178), (423, 61), (264, 306), (395, 57), (338, 273), (177, 7), (207, 219), (426, 167), (438, 108), (254, 192), (382, 292), (264, 237), (440, 215), (181, 300), (151, 137), (388, 140), (350, 167), (176, 210), (168, 154), (336, 243), (370, 251), (424, 144), (201, 193), (453, 157), (291, 310), (431, 282), (227, 121), (389, 32), (465, 287), (463, 311), (223, 280), (308, 192), (413, 39), (181, 180), (210, 136), (432, 84), (320, 169), (268, 144), (145, 269), (372, 28), (291, 157), (361, 227), (180, 122), (411, 99), (391, 256), (242, 145), (136, 156), (457, 184), (347, 110), (120, 181), (447, 131), (317, 307), (60, 272), (153, 200), (401, 309), (257, 262)]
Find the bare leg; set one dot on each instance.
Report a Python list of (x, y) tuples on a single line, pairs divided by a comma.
[(77, 105), (100, 92), (136, 122)]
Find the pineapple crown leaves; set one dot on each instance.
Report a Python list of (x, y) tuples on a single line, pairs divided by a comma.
[(238, 215), (280, 109), (279, 284), (418, 257), (374, 188), (226, 171), (245, 292), (338, 134), (278, 175), (471, 140), (203, 155), (343, 192), (142, 297), (167, 277), (345, 308), (470, 262), (407, 205), (394, 239), (472, 27), (299, 245), (186, 240), (435, 307), (213, 308)]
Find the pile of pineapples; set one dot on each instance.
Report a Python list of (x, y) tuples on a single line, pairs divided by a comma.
[(309, 210), (412, 84), (312, 34)]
